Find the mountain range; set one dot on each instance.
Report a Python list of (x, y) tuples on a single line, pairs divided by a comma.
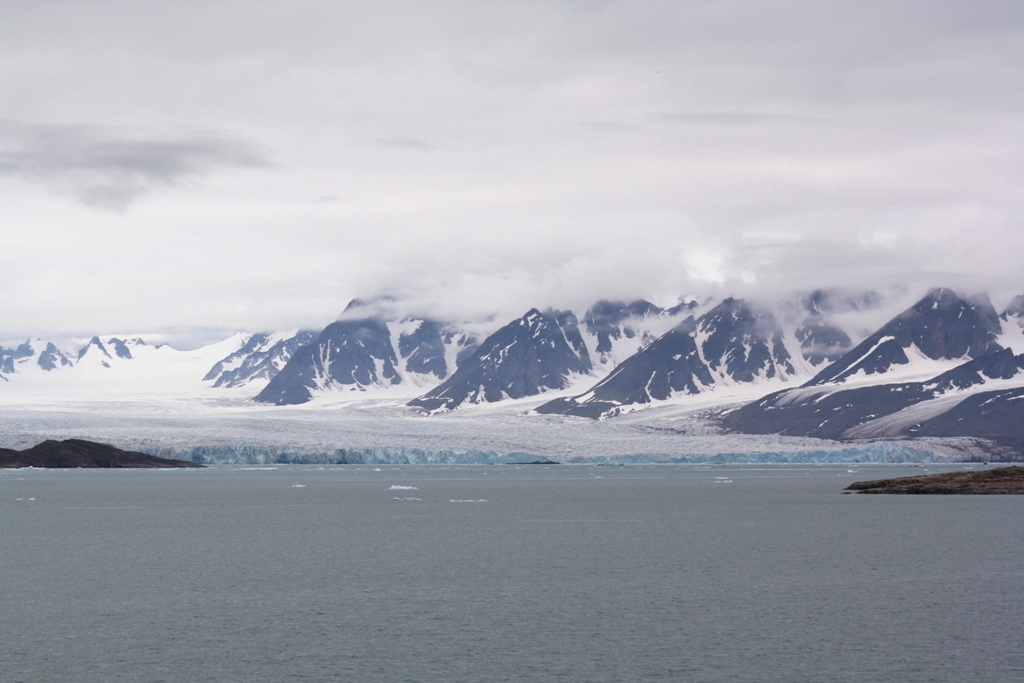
[(948, 365)]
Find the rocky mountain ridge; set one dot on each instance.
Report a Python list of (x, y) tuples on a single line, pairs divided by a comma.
[(943, 367)]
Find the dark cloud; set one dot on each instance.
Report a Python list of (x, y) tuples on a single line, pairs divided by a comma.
[(109, 169)]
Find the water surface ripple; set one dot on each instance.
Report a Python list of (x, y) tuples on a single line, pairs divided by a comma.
[(573, 573)]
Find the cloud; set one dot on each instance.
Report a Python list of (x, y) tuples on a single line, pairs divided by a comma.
[(735, 118), (109, 169), (404, 142), (478, 158)]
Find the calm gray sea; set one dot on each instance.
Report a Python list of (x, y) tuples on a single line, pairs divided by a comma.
[(569, 573)]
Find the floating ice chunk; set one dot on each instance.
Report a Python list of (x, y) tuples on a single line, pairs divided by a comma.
[(722, 480), (481, 500), (258, 468), (376, 469), (414, 500), (396, 487), (298, 486)]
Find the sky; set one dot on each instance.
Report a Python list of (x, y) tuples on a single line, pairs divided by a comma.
[(183, 170)]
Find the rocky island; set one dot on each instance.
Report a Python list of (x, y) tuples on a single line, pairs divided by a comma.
[(82, 453), (993, 481)]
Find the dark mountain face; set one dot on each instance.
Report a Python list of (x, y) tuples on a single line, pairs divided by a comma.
[(94, 343), (821, 342), (521, 359), (841, 414), (260, 358), (941, 326), (9, 356), (424, 350), (570, 327), (742, 343), (52, 358), (995, 415), (668, 365), (731, 342), (824, 301), (346, 353), (1015, 309), (466, 345), (120, 348), (610, 320)]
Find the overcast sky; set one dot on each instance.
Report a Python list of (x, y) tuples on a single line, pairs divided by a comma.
[(185, 168)]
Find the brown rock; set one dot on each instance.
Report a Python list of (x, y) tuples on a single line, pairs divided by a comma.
[(82, 453), (1003, 480)]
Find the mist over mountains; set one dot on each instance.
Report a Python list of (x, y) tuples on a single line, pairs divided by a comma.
[(948, 365)]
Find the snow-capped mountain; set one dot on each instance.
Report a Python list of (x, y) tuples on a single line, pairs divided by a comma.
[(353, 353), (671, 364), (733, 343), (33, 352), (260, 358), (914, 376), (537, 352), (939, 327), (109, 366), (430, 348), (357, 353), (109, 350), (615, 330)]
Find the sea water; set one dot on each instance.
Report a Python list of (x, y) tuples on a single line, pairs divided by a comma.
[(504, 573)]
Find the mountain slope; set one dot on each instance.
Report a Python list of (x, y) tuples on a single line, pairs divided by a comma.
[(941, 326), (260, 358), (668, 365), (348, 353), (536, 352), (920, 366), (733, 343)]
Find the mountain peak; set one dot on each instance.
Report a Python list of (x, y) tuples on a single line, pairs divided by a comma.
[(941, 326), (529, 355)]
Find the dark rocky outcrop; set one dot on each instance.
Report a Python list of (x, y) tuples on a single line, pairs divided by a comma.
[(82, 453), (1002, 480)]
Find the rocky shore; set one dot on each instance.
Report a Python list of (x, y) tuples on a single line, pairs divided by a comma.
[(82, 453), (1002, 480)]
